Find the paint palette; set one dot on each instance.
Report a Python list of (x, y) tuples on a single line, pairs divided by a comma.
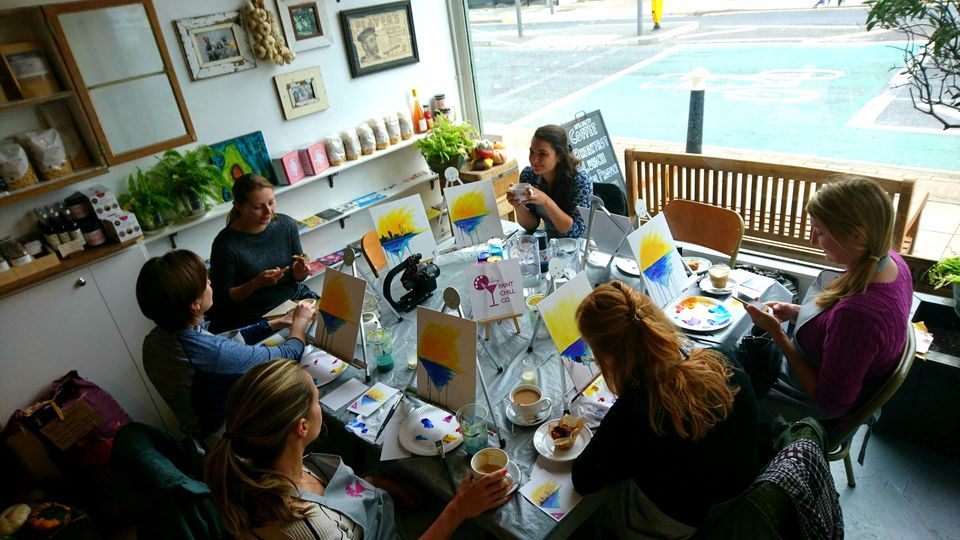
[(628, 267), (698, 313), (428, 424), (322, 366)]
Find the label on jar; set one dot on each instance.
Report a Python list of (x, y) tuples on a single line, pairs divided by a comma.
[(64, 237), (52, 240), (95, 237), (422, 124), (20, 261), (76, 234)]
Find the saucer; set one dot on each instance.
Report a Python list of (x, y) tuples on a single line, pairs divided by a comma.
[(537, 420), (707, 287), (514, 471), (544, 443), (628, 267), (702, 264)]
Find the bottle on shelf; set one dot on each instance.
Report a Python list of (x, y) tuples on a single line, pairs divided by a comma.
[(58, 224), (419, 121), (46, 228), (428, 116), (71, 226)]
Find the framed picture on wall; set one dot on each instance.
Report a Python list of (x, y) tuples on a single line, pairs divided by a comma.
[(379, 37), (304, 24), (215, 45), (301, 92)]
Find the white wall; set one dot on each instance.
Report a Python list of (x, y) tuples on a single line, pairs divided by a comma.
[(231, 105)]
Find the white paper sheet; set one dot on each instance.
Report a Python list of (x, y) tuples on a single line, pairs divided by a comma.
[(390, 438), (344, 393)]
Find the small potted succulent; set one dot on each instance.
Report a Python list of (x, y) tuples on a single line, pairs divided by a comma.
[(447, 145), (947, 271), (191, 178), (148, 200)]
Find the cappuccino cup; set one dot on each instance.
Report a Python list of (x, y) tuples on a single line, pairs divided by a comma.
[(528, 402), (718, 275), (520, 191), (489, 461)]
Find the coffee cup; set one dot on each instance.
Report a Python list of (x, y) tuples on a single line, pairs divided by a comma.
[(528, 402), (521, 191), (718, 275), (489, 461), (370, 322), (308, 302)]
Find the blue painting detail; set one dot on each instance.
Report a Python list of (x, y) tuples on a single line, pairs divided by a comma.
[(439, 374), (427, 423), (660, 271)]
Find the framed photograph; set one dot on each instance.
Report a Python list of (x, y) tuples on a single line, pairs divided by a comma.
[(301, 92), (215, 45), (26, 65), (304, 24), (379, 37)]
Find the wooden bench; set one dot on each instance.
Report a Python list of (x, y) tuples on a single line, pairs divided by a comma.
[(771, 197)]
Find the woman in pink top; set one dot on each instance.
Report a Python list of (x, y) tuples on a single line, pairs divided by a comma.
[(851, 327)]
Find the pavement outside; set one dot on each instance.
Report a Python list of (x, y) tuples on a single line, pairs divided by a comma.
[(939, 233)]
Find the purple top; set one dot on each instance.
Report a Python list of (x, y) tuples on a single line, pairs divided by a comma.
[(859, 340)]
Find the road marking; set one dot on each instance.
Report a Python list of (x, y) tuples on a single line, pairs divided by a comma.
[(868, 115)]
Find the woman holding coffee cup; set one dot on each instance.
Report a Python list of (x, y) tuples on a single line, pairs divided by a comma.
[(264, 486), (551, 186), (851, 328), (682, 434), (255, 262)]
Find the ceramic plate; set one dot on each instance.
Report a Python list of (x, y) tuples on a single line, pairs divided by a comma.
[(628, 267), (702, 264), (707, 287), (544, 443), (426, 425), (321, 365), (698, 313), (512, 416)]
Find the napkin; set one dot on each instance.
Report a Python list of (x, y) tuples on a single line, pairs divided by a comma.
[(391, 434)]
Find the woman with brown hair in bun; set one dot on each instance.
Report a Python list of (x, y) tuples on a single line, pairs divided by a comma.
[(682, 434)]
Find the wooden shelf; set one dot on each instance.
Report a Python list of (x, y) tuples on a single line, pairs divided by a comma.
[(51, 185), (30, 102), (222, 209), (83, 258)]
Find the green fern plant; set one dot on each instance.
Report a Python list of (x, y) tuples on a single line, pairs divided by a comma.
[(146, 198), (190, 175)]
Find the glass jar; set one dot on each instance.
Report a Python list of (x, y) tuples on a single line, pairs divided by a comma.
[(381, 342), (93, 232)]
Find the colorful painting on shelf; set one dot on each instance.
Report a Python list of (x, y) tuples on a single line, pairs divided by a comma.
[(403, 229), (660, 264), (496, 290), (242, 155), (551, 491), (447, 358), (559, 312), (474, 215), (339, 314)]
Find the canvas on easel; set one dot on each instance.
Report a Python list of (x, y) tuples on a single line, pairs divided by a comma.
[(447, 358), (474, 215), (496, 292), (339, 310), (403, 229), (660, 264)]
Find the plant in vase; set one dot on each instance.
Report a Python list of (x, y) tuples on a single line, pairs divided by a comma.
[(149, 200), (947, 272), (447, 144), (193, 180)]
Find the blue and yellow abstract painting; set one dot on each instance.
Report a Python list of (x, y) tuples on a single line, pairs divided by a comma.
[(660, 265), (447, 358), (473, 213)]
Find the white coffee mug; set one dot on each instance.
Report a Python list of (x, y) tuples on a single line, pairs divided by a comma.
[(489, 461), (528, 402), (521, 191)]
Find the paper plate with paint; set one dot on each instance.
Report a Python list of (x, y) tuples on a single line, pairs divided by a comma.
[(699, 313), (426, 425), (322, 366)]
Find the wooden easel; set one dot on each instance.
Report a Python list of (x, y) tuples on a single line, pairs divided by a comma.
[(488, 322), (349, 258)]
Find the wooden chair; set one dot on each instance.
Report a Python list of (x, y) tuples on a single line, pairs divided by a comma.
[(373, 252), (840, 440), (719, 229)]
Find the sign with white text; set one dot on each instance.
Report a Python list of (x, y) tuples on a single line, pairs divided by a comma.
[(587, 135)]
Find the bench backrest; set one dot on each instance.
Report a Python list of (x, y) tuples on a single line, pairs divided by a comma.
[(771, 198)]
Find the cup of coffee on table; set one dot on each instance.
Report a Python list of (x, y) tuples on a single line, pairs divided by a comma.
[(718, 275), (489, 461), (521, 191), (528, 402)]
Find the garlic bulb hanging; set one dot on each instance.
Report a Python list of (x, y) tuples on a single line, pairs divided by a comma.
[(268, 43)]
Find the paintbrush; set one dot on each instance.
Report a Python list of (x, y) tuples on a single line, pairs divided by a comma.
[(392, 410), (446, 464)]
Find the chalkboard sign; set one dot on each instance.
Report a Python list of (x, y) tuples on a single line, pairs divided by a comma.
[(591, 145)]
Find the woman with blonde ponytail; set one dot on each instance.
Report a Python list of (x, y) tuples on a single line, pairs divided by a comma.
[(851, 327), (683, 431), (265, 488)]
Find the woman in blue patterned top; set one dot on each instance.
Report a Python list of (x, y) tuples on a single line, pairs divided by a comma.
[(556, 189)]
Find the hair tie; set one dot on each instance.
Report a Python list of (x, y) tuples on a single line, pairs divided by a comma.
[(875, 258)]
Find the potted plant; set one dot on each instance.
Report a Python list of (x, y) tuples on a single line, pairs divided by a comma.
[(148, 200), (947, 271), (447, 144), (191, 178)]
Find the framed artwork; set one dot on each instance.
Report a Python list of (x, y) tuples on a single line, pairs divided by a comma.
[(403, 229), (379, 37), (659, 261), (446, 358), (301, 92), (242, 155), (27, 67), (304, 24), (474, 213), (215, 45)]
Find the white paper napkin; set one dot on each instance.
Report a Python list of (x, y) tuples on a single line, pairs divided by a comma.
[(344, 393)]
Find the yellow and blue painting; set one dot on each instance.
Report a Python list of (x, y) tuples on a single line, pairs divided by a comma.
[(660, 265), (473, 213), (339, 309), (552, 492), (559, 312), (447, 358), (403, 229)]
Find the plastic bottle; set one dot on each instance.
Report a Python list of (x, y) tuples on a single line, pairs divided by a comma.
[(419, 121)]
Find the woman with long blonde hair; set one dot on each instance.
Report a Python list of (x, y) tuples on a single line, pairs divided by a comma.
[(266, 488), (852, 326), (683, 431)]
